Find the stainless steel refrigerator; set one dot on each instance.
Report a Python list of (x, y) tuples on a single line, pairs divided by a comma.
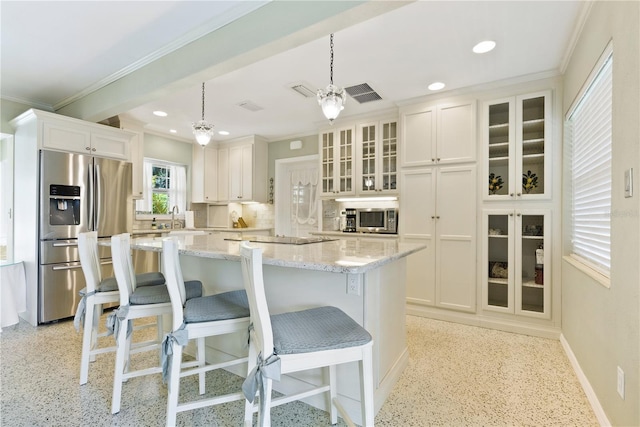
[(78, 193)]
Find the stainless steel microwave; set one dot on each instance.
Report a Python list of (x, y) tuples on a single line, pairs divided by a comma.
[(377, 220)]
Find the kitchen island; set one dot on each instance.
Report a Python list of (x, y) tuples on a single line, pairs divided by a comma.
[(365, 279)]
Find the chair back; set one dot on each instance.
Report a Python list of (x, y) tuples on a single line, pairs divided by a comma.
[(123, 266), (251, 261), (174, 279), (90, 259)]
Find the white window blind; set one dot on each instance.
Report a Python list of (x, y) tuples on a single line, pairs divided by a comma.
[(588, 131)]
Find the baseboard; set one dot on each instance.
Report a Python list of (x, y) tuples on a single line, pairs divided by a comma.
[(584, 382), (474, 319)]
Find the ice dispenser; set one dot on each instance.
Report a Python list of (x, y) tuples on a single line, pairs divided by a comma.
[(64, 205)]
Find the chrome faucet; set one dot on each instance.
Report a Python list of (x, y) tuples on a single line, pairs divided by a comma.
[(174, 212)]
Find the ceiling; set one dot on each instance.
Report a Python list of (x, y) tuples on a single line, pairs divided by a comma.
[(58, 54)]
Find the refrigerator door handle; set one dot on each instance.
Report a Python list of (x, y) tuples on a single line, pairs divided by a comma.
[(90, 221), (98, 196), (61, 245), (66, 267)]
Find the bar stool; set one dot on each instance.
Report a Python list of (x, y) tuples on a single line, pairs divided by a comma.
[(197, 318), (297, 341), (97, 293), (135, 303)]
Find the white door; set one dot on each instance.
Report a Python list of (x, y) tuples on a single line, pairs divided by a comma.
[(296, 196)]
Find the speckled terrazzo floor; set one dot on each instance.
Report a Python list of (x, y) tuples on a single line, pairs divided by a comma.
[(457, 376)]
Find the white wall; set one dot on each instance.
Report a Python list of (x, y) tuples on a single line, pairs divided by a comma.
[(602, 325)]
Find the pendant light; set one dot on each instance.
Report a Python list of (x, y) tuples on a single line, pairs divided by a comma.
[(333, 99), (203, 130)]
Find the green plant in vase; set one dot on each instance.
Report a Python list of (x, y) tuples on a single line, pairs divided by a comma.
[(529, 181), (495, 182)]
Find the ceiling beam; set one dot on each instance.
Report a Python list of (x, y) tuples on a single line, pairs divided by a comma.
[(271, 29)]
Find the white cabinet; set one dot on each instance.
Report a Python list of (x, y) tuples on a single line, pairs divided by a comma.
[(248, 170), (223, 174), (438, 208), (517, 143), (516, 265), (204, 174), (137, 155), (337, 162), (377, 171), (438, 134), (85, 138)]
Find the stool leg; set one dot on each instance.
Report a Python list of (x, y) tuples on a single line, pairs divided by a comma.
[(248, 406), (202, 362), (174, 384), (366, 387), (333, 393), (87, 339), (121, 358)]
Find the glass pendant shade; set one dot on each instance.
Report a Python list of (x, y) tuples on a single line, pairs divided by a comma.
[(332, 102), (203, 131)]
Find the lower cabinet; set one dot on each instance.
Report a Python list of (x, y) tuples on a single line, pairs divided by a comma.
[(516, 262), (438, 208)]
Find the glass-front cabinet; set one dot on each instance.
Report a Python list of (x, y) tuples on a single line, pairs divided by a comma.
[(516, 264), (517, 144), (378, 150), (337, 163)]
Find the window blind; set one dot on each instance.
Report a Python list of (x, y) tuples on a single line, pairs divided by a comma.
[(588, 131)]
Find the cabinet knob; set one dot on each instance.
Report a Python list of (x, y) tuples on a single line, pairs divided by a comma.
[(519, 194), (433, 217), (93, 149), (519, 214), (511, 214), (510, 194), (87, 148), (433, 160), (438, 159), (437, 216)]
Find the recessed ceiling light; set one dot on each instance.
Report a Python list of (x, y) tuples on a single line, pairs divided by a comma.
[(160, 113), (436, 86), (223, 132), (173, 131), (484, 47)]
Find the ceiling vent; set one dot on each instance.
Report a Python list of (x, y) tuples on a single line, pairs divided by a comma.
[(304, 91), (362, 93), (250, 105)]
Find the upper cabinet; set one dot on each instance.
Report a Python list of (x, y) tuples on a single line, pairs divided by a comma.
[(248, 170), (61, 133), (204, 174), (337, 162), (438, 134), (517, 139), (378, 158)]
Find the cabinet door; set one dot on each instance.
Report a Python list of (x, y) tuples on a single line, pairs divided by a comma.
[(455, 238), (210, 174), (388, 158), (110, 145), (345, 162), (533, 140), (327, 156), (419, 136), (368, 150), (498, 260), (499, 149), (63, 137), (241, 172), (203, 178), (417, 224), (456, 133), (137, 161), (532, 256), (223, 174)]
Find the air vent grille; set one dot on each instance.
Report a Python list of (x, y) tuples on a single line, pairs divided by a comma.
[(250, 105), (304, 91), (363, 93)]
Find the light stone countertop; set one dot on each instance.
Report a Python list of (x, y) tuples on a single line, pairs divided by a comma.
[(211, 229), (338, 256)]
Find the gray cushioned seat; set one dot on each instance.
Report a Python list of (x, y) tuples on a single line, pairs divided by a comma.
[(142, 279), (159, 294), (316, 329), (227, 305)]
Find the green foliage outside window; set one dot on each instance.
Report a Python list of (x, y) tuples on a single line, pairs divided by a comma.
[(161, 182), (160, 203)]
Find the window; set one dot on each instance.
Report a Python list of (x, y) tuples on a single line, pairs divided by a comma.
[(588, 134), (165, 186)]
